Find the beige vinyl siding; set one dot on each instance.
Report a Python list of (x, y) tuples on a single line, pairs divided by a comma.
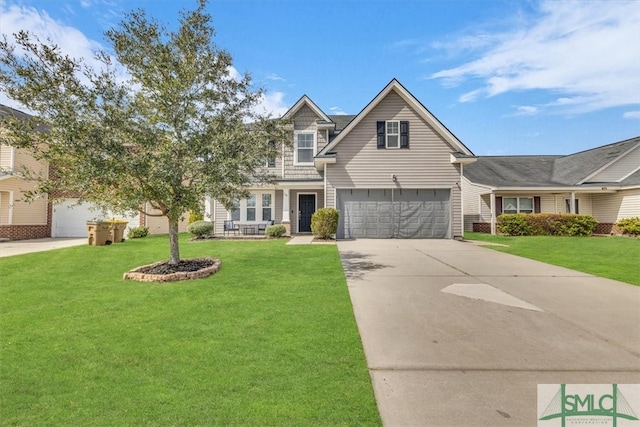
[(160, 224), (304, 120), (610, 208), (472, 203), (23, 213), (620, 169), (5, 200), (6, 157), (426, 164)]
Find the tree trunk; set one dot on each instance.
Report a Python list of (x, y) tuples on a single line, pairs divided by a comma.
[(173, 242)]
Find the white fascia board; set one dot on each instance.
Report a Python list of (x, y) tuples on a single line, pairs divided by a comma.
[(599, 189), (297, 185), (305, 100)]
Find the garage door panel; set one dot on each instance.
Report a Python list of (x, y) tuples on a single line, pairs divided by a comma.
[(406, 213), (69, 218)]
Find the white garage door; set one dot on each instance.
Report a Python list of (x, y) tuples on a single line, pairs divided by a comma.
[(394, 213), (70, 218)]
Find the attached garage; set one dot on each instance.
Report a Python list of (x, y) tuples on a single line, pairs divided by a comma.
[(394, 213), (70, 218)]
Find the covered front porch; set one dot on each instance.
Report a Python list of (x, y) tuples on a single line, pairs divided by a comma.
[(290, 203)]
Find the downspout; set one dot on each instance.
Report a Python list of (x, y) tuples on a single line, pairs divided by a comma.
[(461, 201)]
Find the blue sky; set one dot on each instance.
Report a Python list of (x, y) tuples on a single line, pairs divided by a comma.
[(506, 77)]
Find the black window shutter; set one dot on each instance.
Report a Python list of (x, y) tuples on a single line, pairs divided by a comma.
[(404, 134), (536, 204), (498, 205), (381, 127)]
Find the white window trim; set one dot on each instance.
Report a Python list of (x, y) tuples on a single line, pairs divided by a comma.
[(258, 207), (295, 147), (533, 207), (386, 134)]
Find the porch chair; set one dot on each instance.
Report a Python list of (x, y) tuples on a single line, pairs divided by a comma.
[(263, 227), (229, 226)]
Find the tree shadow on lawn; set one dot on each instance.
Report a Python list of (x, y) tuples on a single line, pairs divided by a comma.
[(355, 265)]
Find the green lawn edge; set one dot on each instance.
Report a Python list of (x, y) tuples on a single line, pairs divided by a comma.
[(612, 257), (270, 339)]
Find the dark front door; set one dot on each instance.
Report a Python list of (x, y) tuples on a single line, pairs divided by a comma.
[(306, 208)]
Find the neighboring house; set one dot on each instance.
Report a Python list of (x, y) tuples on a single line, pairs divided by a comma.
[(393, 170), (603, 182), (21, 220), (18, 218)]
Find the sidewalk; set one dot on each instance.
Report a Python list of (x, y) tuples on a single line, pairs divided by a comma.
[(20, 247)]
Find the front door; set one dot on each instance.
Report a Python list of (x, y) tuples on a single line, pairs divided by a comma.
[(306, 208)]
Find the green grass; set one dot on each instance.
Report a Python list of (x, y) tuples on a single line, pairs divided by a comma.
[(268, 340), (615, 258)]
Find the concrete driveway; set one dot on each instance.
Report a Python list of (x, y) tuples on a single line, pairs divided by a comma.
[(20, 247), (460, 335)]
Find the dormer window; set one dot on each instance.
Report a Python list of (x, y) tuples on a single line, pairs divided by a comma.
[(305, 147)]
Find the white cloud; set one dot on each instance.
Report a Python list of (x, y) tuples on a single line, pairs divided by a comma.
[(632, 115), (273, 104), (584, 51), (275, 77), (336, 110), (526, 110)]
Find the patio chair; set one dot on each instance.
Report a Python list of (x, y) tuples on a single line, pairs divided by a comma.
[(263, 227), (229, 226)]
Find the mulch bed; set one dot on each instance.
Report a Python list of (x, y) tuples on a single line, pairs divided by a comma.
[(186, 269)]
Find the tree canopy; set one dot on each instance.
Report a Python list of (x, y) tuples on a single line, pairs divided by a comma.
[(165, 120)]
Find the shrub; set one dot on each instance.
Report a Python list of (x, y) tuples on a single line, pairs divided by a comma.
[(513, 225), (195, 216), (324, 223), (546, 224), (275, 231), (629, 226), (200, 228), (138, 232)]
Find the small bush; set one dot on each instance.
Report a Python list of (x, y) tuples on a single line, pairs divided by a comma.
[(513, 225), (629, 226), (200, 228), (324, 223), (138, 232), (275, 231), (195, 216)]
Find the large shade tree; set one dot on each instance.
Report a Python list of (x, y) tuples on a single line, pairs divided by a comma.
[(165, 120)]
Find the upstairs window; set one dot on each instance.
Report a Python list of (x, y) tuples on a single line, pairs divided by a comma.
[(392, 134), (271, 160), (305, 148)]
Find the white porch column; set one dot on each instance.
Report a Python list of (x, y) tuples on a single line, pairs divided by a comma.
[(572, 203), (208, 208), (492, 206), (286, 208)]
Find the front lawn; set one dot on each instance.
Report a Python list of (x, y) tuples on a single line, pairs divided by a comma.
[(616, 258), (268, 340)]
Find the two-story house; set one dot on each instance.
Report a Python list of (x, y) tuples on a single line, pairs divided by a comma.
[(393, 170)]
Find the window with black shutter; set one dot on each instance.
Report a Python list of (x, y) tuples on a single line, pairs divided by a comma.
[(392, 134)]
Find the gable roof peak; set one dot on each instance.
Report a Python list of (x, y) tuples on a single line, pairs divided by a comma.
[(305, 100)]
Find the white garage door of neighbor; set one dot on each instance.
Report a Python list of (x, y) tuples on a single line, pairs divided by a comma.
[(70, 218), (394, 213)]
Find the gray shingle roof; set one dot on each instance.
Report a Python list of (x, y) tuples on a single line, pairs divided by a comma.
[(548, 171)]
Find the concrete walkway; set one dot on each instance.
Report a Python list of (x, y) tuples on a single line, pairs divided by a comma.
[(460, 335), (20, 247)]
